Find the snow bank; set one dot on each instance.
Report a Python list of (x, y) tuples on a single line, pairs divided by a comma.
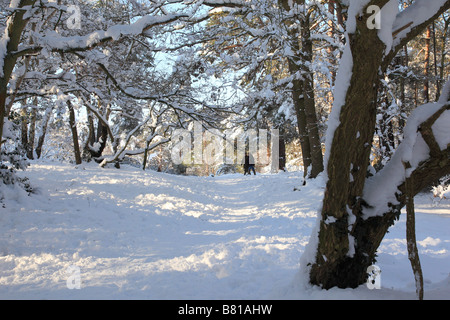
[(148, 235)]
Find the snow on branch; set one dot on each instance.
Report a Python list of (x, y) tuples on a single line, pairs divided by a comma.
[(122, 152), (167, 99), (56, 42), (425, 149), (224, 3), (100, 117), (411, 21)]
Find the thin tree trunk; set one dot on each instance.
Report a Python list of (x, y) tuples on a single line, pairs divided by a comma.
[(32, 130), (436, 76), (330, 51), (98, 137), (43, 131), (145, 159), (413, 252), (73, 128), (404, 62), (24, 125), (299, 102), (91, 137), (443, 51), (426, 67), (299, 106), (310, 106), (282, 154)]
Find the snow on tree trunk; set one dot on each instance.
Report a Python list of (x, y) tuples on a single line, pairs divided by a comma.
[(357, 212), (348, 159)]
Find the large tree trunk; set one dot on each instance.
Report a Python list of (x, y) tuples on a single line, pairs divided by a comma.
[(347, 163), (351, 258), (347, 238)]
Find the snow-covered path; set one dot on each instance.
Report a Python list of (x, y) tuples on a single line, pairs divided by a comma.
[(145, 235)]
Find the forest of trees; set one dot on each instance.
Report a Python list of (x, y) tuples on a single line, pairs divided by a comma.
[(110, 81)]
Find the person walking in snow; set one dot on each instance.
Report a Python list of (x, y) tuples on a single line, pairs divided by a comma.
[(249, 164)]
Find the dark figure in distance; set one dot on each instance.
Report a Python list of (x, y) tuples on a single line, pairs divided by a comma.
[(249, 164)]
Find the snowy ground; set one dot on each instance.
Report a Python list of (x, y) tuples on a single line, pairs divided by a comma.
[(148, 235)]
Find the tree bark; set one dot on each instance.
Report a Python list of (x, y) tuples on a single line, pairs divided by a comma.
[(100, 134), (145, 158)]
